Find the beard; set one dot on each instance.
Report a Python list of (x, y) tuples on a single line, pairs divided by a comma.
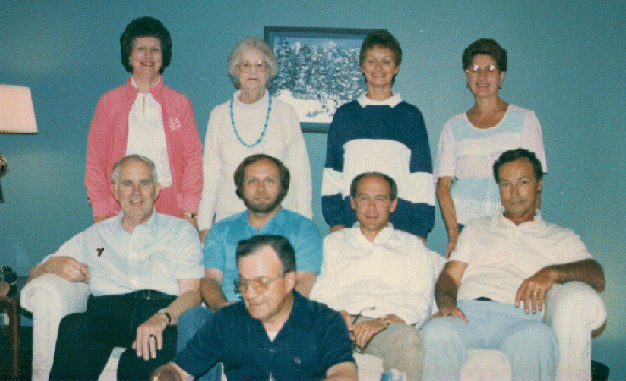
[(262, 207)]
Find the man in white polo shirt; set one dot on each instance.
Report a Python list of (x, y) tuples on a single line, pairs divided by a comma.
[(491, 292)]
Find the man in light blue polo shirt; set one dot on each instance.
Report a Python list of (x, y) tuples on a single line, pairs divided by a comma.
[(262, 183)]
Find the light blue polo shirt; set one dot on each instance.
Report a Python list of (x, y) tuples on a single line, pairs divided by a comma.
[(221, 243)]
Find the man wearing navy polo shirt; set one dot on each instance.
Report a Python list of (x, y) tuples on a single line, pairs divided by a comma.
[(275, 333), (262, 183)]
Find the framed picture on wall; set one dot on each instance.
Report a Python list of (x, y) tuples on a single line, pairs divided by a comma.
[(318, 70)]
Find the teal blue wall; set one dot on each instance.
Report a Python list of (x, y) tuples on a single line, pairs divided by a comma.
[(567, 61)]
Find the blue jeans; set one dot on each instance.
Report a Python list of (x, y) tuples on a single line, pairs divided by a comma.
[(531, 345), (189, 322)]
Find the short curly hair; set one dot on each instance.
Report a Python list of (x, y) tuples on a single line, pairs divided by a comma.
[(384, 39), (256, 43), (145, 26), (487, 46)]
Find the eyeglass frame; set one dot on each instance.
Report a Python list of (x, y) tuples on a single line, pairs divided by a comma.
[(490, 70), (260, 281), (259, 66)]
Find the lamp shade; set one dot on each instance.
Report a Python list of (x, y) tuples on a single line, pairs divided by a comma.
[(17, 114)]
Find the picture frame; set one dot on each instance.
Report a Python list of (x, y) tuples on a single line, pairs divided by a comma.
[(318, 70)]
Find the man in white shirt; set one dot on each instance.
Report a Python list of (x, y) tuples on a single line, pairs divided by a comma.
[(501, 263), (143, 269), (380, 278)]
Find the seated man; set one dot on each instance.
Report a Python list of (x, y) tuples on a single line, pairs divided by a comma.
[(143, 269), (380, 278), (275, 333), (262, 183), (500, 263)]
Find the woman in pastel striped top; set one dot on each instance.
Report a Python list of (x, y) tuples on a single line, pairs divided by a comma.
[(472, 141)]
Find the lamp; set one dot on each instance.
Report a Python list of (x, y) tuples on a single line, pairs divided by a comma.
[(17, 116)]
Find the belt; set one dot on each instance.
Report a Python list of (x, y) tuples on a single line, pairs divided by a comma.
[(150, 295)]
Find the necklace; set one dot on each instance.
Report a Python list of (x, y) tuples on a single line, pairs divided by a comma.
[(267, 119)]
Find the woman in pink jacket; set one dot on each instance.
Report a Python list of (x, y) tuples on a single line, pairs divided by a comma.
[(145, 117)]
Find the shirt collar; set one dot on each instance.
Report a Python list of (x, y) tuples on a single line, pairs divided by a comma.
[(392, 101), (156, 90), (151, 224), (295, 313), (382, 235), (277, 219), (500, 219)]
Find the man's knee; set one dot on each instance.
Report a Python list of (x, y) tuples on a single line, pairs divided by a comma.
[(405, 336), (531, 337), (533, 351), (440, 331), (73, 324)]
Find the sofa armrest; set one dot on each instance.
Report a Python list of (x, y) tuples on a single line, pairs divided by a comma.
[(573, 310), (50, 297)]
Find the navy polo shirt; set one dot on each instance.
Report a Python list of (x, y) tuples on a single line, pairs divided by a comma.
[(313, 339)]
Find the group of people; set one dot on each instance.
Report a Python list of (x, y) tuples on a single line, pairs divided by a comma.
[(281, 302)]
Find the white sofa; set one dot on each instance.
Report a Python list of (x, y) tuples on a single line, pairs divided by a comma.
[(572, 310)]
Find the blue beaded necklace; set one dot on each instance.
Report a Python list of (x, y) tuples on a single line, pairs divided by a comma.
[(267, 119)]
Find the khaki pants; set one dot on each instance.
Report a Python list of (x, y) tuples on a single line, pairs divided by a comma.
[(400, 346)]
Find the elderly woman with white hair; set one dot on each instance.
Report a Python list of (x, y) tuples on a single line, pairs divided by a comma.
[(251, 122)]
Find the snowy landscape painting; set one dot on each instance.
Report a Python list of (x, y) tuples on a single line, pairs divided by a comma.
[(318, 70)]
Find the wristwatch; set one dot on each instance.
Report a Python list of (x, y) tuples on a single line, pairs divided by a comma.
[(167, 315), (190, 215)]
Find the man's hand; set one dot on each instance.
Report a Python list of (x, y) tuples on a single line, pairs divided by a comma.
[(450, 311), (364, 331), (68, 268), (533, 290), (150, 337)]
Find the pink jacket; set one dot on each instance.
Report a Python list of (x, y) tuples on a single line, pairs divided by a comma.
[(108, 138)]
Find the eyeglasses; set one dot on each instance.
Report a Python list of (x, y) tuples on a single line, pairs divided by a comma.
[(260, 284), (489, 70), (246, 66)]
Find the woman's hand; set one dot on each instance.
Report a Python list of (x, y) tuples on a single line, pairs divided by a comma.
[(336, 228), (97, 219), (192, 218), (451, 244)]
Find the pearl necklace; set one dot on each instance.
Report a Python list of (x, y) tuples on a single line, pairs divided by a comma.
[(267, 119)]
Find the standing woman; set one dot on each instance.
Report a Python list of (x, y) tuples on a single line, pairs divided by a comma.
[(380, 132), (251, 122), (145, 117), (472, 141)]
